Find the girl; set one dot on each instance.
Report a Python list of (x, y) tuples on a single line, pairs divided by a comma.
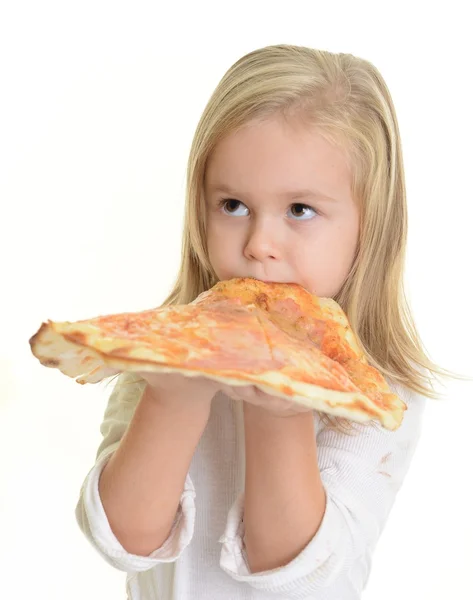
[(202, 491)]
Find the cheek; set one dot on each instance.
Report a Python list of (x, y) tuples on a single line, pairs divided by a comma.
[(220, 245), (340, 260), (214, 236), (324, 260)]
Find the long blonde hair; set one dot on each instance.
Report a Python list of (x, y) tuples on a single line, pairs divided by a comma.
[(347, 100)]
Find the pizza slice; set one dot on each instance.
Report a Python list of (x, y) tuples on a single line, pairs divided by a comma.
[(276, 336)]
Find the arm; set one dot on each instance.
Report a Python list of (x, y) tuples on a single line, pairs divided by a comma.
[(282, 469), (361, 474), (141, 485), (132, 425)]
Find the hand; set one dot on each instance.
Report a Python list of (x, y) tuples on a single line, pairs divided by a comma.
[(176, 388), (280, 407)]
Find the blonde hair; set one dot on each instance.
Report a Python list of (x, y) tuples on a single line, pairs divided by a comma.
[(347, 100)]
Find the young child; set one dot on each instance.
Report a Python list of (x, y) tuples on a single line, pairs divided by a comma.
[(203, 491)]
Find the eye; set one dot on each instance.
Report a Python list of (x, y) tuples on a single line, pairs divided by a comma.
[(234, 208), (302, 212)]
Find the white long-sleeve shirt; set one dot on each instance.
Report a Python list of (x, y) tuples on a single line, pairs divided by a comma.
[(204, 556)]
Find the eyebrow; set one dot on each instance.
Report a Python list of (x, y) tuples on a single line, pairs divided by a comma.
[(291, 194)]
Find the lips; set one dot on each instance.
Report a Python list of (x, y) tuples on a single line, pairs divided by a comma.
[(267, 280)]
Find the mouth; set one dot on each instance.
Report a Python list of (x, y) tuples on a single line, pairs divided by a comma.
[(264, 280)]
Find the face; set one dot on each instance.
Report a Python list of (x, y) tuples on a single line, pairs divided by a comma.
[(279, 207)]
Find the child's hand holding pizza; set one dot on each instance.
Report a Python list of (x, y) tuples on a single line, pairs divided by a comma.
[(177, 389), (277, 406)]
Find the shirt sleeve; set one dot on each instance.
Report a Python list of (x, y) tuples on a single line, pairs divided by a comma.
[(361, 473), (90, 513)]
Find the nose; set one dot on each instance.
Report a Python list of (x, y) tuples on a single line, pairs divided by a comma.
[(262, 244)]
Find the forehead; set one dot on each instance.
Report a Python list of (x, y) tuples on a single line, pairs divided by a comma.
[(275, 156)]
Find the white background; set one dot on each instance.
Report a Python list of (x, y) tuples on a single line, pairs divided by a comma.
[(99, 101)]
